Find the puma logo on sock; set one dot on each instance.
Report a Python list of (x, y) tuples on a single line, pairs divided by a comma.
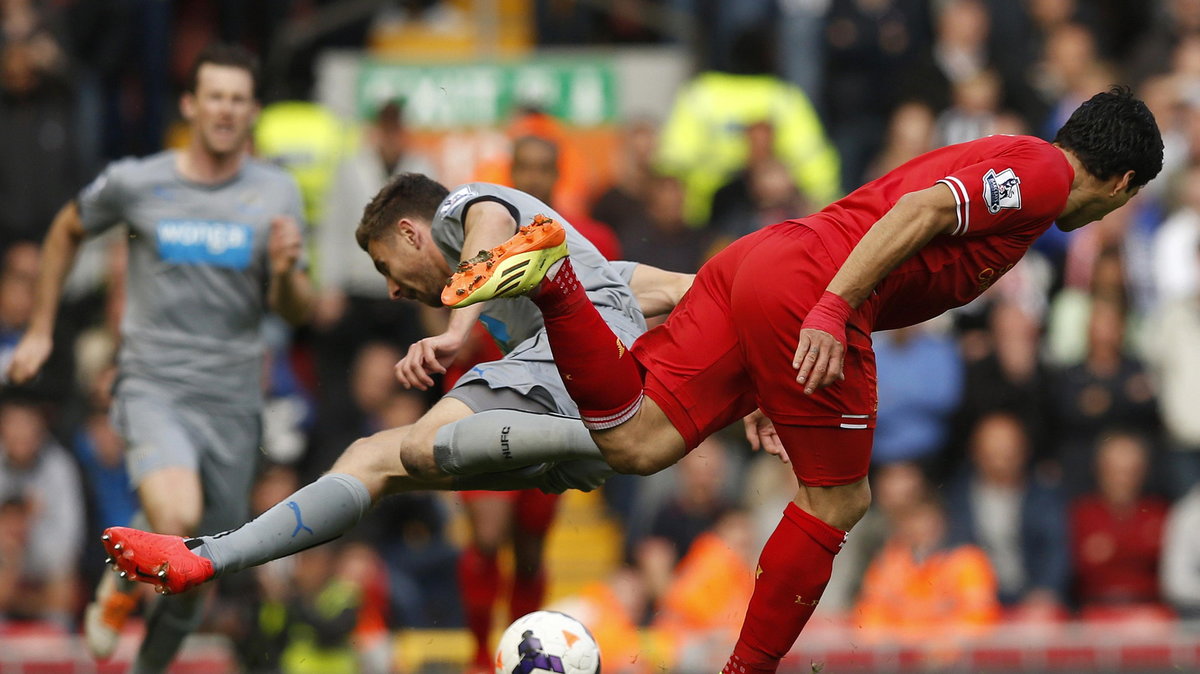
[(299, 519)]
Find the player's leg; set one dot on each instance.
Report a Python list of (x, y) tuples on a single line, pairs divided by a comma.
[(368, 470), (171, 619), (491, 520), (163, 461), (173, 501), (325, 509), (525, 416), (797, 560), (827, 436), (227, 443), (502, 439)]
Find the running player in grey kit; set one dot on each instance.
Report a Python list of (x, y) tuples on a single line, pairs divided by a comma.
[(511, 414), (214, 243)]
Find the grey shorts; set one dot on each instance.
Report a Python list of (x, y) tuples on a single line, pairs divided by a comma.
[(222, 446), (526, 378), (479, 395)]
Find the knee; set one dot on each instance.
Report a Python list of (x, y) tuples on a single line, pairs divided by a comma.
[(416, 453), (841, 506), (857, 501), (177, 517), (176, 521), (850, 505)]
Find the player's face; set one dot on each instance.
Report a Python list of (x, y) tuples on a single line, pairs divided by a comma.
[(222, 110), (409, 271)]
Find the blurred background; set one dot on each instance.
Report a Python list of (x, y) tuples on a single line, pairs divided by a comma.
[(1037, 460)]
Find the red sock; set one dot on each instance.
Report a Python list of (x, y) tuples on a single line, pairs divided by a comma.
[(527, 594), (479, 581), (597, 369), (792, 573)]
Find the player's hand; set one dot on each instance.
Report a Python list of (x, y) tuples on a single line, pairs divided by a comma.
[(425, 358), (284, 244), (819, 358), (760, 432), (29, 356), (822, 343)]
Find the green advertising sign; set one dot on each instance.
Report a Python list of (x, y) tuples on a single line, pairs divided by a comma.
[(580, 92)]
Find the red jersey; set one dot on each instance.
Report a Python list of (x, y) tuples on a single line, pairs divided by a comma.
[(1009, 189)]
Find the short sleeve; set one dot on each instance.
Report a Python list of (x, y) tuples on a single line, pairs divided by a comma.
[(460, 200), (448, 226), (102, 203), (1013, 190)]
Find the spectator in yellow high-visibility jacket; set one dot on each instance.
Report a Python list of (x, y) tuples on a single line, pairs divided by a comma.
[(704, 139)]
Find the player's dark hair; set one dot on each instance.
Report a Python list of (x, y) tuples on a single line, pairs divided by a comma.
[(1114, 132), (408, 195), (223, 54)]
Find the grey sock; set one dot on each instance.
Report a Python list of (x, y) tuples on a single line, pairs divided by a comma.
[(317, 513), (501, 440), (170, 620)]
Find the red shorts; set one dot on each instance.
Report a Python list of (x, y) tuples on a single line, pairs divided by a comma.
[(728, 347), (533, 509)]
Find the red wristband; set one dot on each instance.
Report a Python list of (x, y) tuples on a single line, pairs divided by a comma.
[(829, 314)]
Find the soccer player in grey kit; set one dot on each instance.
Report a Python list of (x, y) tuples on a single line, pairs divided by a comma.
[(214, 243)]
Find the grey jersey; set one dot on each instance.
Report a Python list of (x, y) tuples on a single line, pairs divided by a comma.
[(513, 321), (198, 272)]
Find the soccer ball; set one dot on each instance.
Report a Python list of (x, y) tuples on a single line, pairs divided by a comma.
[(547, 641)]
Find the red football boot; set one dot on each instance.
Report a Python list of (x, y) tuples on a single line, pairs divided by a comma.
[(162, 561)]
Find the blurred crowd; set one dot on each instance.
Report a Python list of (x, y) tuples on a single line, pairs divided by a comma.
[(1037, 453)]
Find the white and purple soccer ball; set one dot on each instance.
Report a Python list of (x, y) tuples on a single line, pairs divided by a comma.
[(547, 642)]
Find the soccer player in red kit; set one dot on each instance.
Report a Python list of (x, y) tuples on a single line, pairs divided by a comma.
[(931, 235)]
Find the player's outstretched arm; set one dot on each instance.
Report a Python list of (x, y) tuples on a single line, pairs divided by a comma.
[(290, 292), (58, 256), (432, 355), (915, 219), (658, 290)]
